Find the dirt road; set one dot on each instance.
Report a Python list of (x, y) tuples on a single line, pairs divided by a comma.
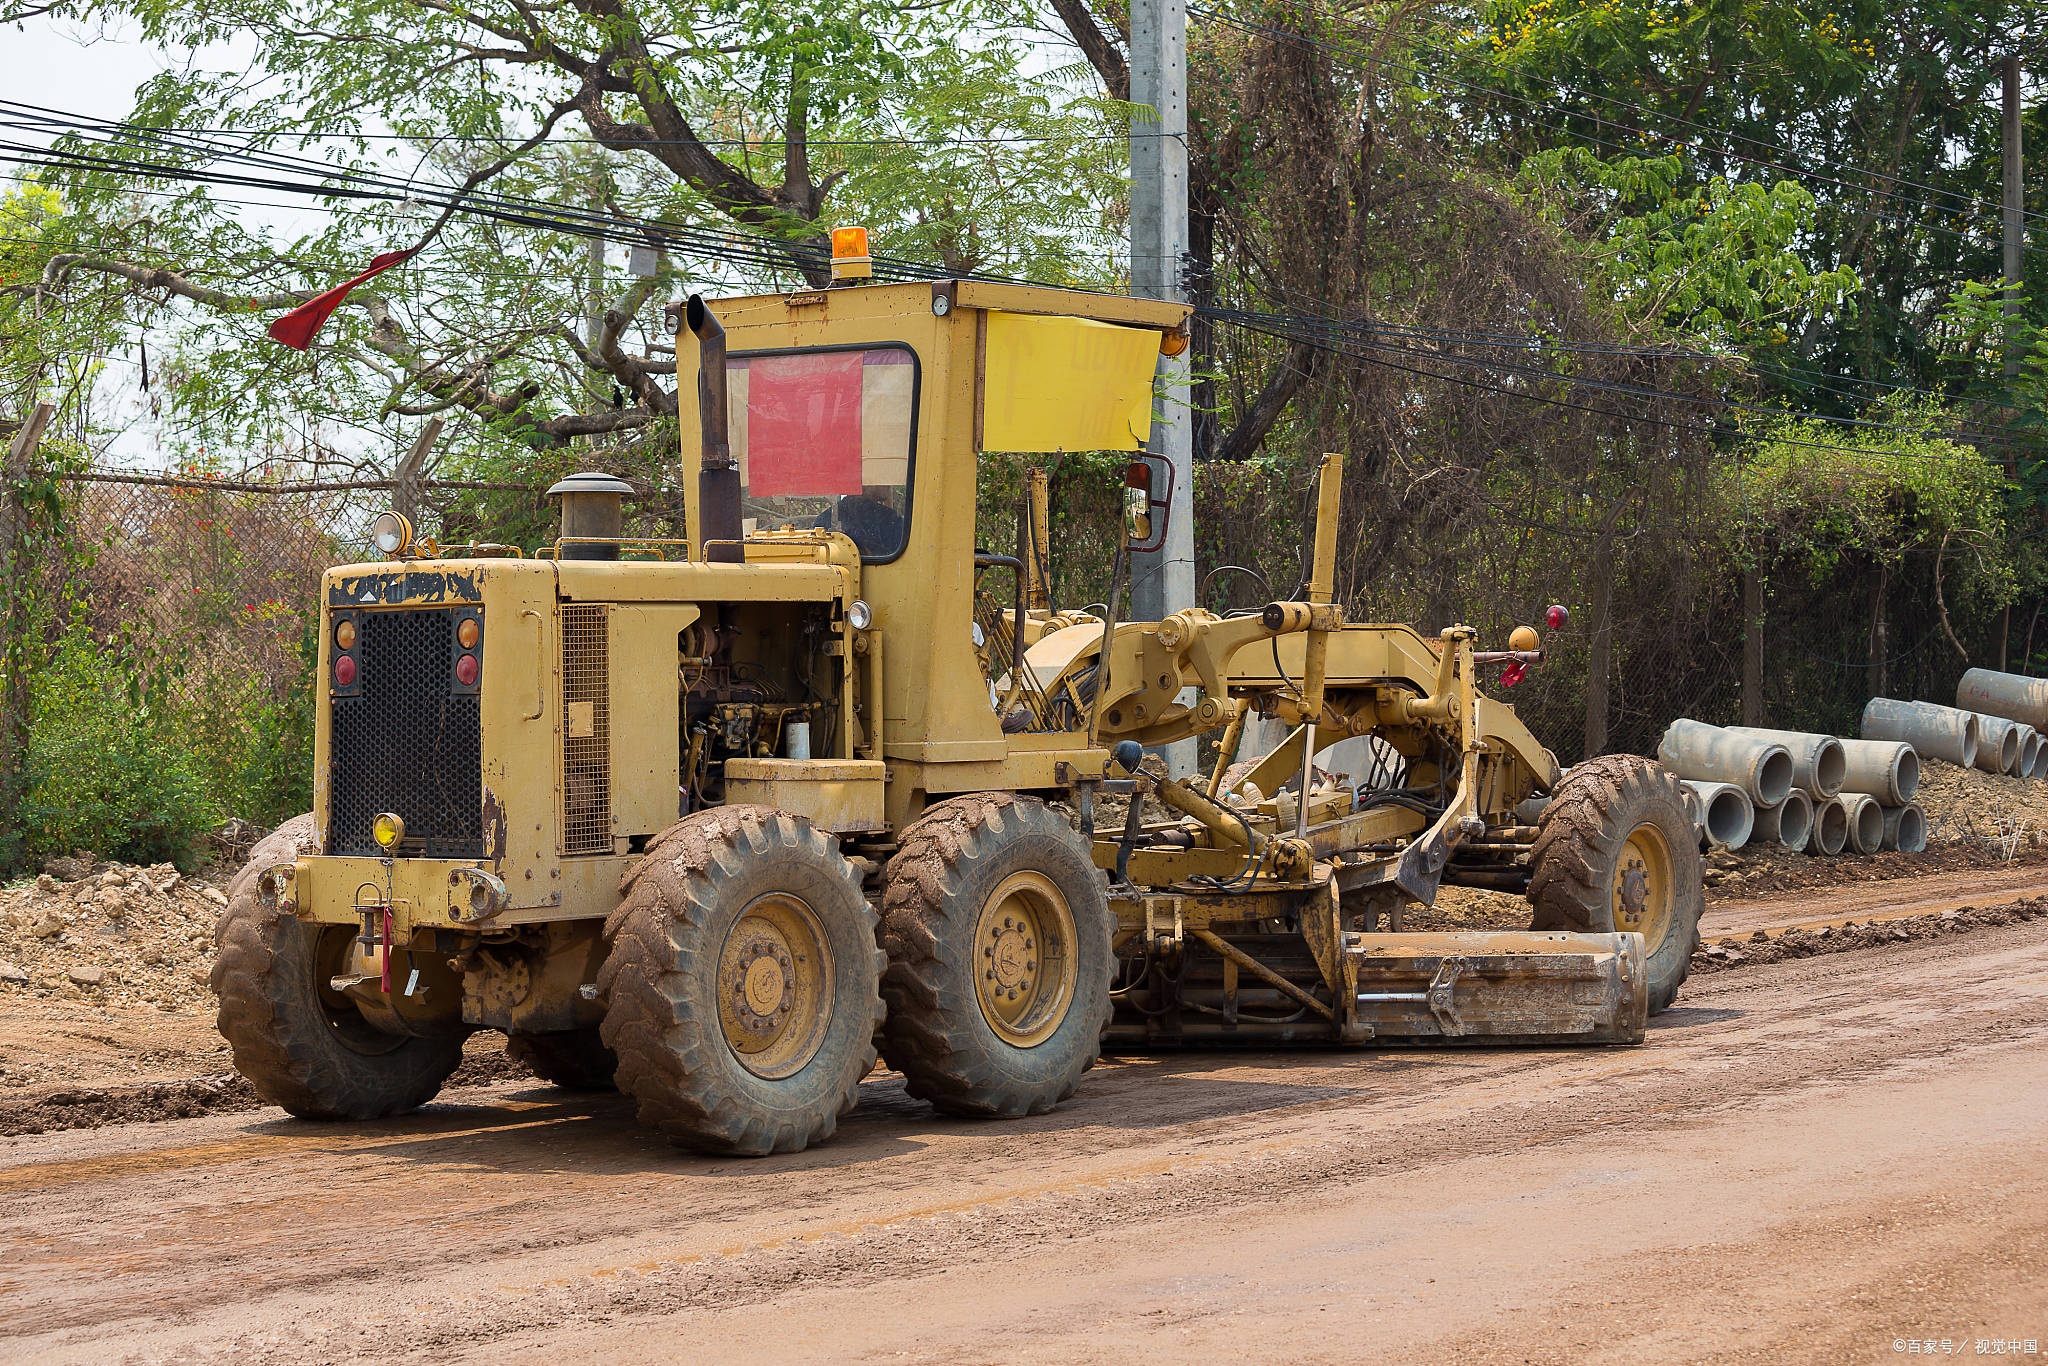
[(1815, 1160)]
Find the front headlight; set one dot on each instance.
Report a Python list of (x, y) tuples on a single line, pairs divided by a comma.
[(388, 828), (858, 615), (391, 534)]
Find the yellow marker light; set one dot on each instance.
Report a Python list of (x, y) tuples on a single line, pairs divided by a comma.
[(1523, 638), (850, 259), (345, 636), (1173, 341), (469, 632), (387, 829)]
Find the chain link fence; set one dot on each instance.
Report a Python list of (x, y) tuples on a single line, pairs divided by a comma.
[(198, 600)]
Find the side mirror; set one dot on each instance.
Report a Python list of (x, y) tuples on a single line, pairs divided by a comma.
[(1148, 501), (1137, 514)]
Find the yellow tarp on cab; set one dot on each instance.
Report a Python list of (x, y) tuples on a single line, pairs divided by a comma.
[(1066, 384)]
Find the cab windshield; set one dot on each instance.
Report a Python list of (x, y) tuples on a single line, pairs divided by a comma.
[(825, 439)]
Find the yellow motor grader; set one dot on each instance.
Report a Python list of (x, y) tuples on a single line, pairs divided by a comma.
[(715, 820)]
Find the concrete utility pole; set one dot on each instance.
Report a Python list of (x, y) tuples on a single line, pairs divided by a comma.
[(1163, 581), (2014, 211)]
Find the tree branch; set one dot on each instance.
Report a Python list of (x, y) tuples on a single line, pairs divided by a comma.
[(1285, 379)]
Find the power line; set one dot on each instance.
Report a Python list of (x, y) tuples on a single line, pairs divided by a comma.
[(730, 246)]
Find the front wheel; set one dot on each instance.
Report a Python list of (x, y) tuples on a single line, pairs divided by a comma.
[(998, 930), (740, 991), (302, 1044), (1616, 853)]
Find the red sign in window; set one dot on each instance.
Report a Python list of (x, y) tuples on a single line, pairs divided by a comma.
[(803, 424)]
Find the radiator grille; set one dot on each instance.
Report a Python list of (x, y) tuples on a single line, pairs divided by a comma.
[(586, 732), (405, 741)]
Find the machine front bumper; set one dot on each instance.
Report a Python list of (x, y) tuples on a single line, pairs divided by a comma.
[(422, 893)]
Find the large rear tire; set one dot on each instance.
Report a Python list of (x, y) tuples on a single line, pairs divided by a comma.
[(574, 1059), (998, 930), (741, 988), (301, 1044), (1616, 852)]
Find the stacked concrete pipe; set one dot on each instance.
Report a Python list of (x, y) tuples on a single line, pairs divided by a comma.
[(1999, 743), (1866, 822), (1818, 765), (1936, 732), (1888, 770), (1830, 826), (1724, 813), (2013, 696), (1761, 768), (1790, 822), (2034, 754), (1905, 828)]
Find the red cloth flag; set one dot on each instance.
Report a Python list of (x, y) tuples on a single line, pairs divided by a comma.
[(296, 328)]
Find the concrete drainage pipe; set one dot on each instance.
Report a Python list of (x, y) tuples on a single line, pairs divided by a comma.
[(1830, 827), (1936, 732), (1725, 814), (1790, 822), (1905, 828)]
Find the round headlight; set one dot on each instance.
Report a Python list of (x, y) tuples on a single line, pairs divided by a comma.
[(388, 828), (858, 616), (391, 533)]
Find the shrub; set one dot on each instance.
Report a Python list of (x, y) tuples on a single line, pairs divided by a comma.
[(106, 767)]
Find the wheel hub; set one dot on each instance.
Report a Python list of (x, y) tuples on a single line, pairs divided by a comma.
[(1013, 968), (1024, 978), (774, 986), (1643, 886)]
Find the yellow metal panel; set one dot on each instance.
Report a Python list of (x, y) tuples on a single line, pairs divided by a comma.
[(645, 697), (655, 581), (1075, 303), (843, 796), (1066, 384)]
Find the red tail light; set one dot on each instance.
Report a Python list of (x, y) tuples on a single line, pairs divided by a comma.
[(345, 671), (466, 671)]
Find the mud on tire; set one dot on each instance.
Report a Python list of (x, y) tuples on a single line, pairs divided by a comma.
[(574, 1059), (301, 1045), (671, 944), (952, 861), (1582, 844)]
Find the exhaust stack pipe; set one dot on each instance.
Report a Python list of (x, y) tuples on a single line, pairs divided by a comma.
[(718, 479), (593, 515)]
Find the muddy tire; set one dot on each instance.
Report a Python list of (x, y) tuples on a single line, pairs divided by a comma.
[(741, 991), (997, 928), (575, 1059), (302, 1045), (1616, 850)]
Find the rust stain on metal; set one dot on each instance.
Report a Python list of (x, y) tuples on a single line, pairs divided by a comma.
[(494, 826)]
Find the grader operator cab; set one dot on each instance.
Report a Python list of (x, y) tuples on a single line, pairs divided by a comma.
[(713, 821)]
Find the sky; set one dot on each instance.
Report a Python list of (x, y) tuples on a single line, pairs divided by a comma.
[(92, 70)]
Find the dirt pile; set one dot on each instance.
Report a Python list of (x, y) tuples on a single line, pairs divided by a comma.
[(1769, 870), (1803, 943), (1970, 804), (110, 934)]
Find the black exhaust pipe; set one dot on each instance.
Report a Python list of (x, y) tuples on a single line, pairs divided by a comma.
[(718, 480)]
